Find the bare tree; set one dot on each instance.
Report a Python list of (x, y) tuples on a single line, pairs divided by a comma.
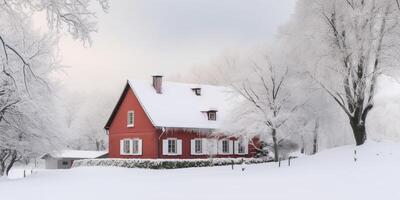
[(267, 106)]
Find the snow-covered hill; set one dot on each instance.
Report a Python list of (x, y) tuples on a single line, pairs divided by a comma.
[(329, 175)]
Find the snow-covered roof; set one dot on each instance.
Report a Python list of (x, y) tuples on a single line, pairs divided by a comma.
[(179, 107), (75, 154)]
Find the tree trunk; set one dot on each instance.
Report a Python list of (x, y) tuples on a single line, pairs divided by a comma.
[(12, 161), (359, 131), (315, 138), (276, 153), (2, 168)]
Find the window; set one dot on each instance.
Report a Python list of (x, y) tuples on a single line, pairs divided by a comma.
[(225, 146), (131, 146), (131, 118), (65, 163), (135, 146), (126, 146), (172, 146), (241, 148), (198, 146), (212, 115)]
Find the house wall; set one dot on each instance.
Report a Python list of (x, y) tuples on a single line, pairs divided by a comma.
[(142, 129), (51, 163), (69, 162), (57, 163), (186, 137)]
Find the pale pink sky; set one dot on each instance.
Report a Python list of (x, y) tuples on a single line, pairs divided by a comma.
[(138, 38)]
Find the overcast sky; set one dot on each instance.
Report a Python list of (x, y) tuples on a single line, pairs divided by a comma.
[(138, 38)]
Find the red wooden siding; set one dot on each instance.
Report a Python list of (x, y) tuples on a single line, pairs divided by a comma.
[(143, 129), (186, 137)]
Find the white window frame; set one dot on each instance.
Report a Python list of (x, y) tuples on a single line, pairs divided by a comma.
[(135, 147), (123, 148), (245, 147), (230, 146), (129, 123), (175, 145), (227, 146), (212, 116), (241, 148), (131, 142), (178, 147), (198, 143), (203, 142)]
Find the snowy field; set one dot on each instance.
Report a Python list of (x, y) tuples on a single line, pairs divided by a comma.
[(331, 174)]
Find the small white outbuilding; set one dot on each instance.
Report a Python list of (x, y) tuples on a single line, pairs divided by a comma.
[(64, 159)]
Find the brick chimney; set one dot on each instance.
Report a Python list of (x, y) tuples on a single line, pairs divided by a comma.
[(157, 83)]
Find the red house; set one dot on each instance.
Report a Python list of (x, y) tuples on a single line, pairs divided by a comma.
[(156, 119)]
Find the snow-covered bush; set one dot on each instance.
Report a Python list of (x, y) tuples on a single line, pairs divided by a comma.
[(165, 163)]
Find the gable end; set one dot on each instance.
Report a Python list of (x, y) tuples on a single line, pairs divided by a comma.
[(115, 110)]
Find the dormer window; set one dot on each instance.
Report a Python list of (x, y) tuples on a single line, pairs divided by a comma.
[(197, 91), (212, 115)]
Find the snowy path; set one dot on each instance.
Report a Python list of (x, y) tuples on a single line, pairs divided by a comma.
[(331, 175)]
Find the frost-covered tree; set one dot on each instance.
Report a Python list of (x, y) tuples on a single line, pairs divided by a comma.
[(85, 116), (347, 45), (267, 108), (28, 117)]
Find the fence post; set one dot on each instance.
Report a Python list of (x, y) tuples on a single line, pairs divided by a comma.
[(355, 155)]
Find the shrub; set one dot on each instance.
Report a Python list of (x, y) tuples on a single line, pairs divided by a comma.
[(166, 163)]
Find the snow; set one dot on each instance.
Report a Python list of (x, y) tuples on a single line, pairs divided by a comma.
[(189, 111), (329, 175), (383, 119), (75, 154)]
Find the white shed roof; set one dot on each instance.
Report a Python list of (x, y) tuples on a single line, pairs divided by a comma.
[(75, 154), (179, 107)]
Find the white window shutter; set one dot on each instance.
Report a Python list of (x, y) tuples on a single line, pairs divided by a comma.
[(204, 146), (230, 146), (131, 146), (246, 147), (192, 147), (220, 147), (140, 146), (165, 147), (179, 147), (214, 146), (236, 147), (121, 147), (133, 118)]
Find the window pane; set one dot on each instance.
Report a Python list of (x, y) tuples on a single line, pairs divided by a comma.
[(197, 145), (225, 146), (240, 147), (130, 117), (212, 116), (126, 146), (171, 146), (135, 146)]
